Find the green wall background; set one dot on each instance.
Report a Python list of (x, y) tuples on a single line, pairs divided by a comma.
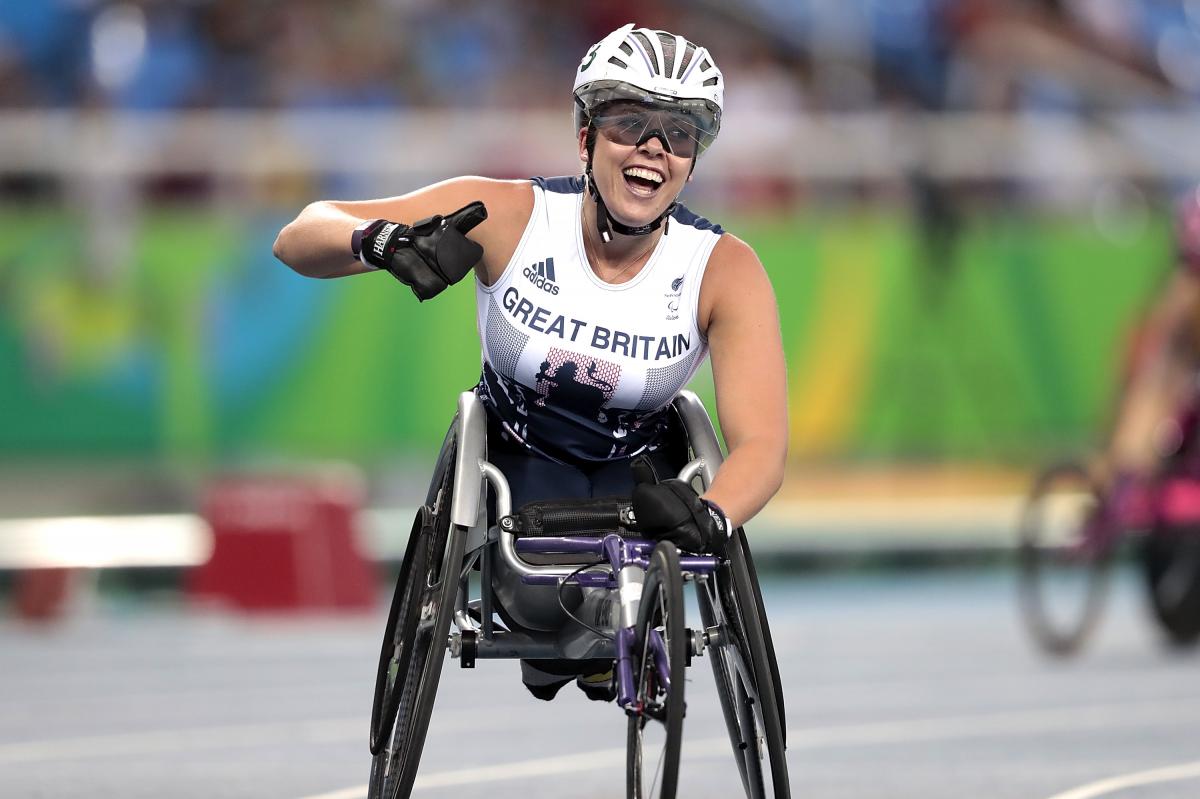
[(1002, 342)]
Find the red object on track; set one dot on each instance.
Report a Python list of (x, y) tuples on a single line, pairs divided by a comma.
[(284, 543), (41, 595)]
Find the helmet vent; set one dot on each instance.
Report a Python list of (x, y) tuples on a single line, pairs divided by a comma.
[(705, 65), (644, 40), (618, 62), (712, 81), (667, 41), (626, 48), (688, 52)]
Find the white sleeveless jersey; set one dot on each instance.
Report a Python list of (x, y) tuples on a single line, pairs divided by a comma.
[(579, 369)]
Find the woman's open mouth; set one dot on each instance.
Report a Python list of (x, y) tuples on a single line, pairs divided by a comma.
[(642, 182)]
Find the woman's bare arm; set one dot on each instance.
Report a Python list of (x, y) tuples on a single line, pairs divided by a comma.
[(739, 314), (317, 242)]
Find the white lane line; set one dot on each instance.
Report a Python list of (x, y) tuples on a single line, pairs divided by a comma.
[(539, 767), (357, 792), (228, 736), (1064, 719), (163, 741), (562, 764), (1184, 771)]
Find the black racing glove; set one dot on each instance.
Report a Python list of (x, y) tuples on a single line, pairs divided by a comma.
[(428, 256), (672, 511)]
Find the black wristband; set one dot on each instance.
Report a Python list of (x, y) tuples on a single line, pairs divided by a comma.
[(719, 516), (356, 239)]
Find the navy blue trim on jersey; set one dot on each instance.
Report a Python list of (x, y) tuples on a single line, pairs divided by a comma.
[(685, 217), (571, 184)]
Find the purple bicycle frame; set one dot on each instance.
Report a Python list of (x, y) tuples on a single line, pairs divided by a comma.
[(621, 553)]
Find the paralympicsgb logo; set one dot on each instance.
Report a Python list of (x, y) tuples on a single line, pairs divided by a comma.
[(541, 275), (673, 298)]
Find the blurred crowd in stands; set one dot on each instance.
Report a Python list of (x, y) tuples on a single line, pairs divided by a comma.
[(779, 54), (805, 57)]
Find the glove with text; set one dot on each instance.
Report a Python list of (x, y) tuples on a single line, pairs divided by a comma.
[(428, 256), (672, 511)]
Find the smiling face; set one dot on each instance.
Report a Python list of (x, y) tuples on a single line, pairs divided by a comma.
[(637, 181)]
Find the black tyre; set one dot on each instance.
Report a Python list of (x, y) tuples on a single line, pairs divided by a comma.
[(414, 647), (659, 661), (1171, 561), (767, 638), (403, 617), (1063, 558), (746, 674)]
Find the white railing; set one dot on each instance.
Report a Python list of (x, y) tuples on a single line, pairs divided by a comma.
[(411, 147)]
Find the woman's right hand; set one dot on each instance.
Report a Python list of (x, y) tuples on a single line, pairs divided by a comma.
[(429, 256)]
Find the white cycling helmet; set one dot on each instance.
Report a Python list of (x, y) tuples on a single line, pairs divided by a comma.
[(654, 67), (657, 69)]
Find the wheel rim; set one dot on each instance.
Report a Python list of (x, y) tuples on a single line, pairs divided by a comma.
[(743, 726), (753, 717), (394, 770), (650, 723), (401, 628), (413, 675), (422, 658), (1065, 548), (1172, 571), (656, 714)]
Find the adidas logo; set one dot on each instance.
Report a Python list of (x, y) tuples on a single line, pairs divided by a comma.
[(541, 275)]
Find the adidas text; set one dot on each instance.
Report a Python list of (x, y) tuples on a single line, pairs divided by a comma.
[(541, 275)]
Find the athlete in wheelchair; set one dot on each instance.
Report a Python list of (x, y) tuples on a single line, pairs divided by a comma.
[(1154, 436), (578, 468)]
